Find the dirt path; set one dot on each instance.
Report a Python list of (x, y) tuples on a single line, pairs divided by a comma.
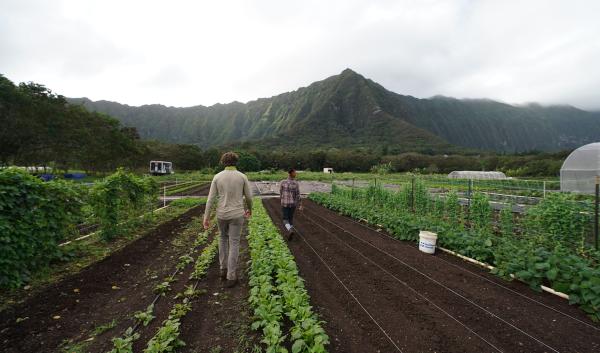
[(421, 303), (112, 288), (220, 320)]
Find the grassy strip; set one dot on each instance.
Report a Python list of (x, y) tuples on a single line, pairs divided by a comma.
[(184, 188), (277, 290)]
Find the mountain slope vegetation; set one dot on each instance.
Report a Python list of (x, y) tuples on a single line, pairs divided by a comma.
[(350, 111)]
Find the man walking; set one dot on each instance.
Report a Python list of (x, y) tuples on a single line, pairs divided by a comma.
[(289, 190), (230, 186)]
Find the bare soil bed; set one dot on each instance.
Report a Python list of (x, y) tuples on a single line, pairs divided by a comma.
[(413, 302), (113, 288), (220, 320), (123, 283)]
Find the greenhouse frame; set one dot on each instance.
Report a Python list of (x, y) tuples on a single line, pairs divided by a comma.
[(579, 171), (476, 175)]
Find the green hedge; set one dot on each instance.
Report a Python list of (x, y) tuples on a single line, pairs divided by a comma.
[(35, 217), (120, 198)]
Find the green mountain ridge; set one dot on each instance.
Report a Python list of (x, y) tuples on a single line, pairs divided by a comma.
[(350, 111)]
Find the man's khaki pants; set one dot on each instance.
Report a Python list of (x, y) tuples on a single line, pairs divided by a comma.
[(229, 245)]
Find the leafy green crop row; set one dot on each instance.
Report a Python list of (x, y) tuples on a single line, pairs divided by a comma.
[(167, 338), (550, 250), (278, 290)]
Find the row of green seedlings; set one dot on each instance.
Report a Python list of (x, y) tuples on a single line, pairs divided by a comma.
[(124, 344), (277, 290), (164, 185), (548, 251), (167, 338), (186, 187)]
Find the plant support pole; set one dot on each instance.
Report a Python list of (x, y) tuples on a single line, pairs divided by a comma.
[(412, 195), (544, 189), (353, 188), (469, 192), (164, 195), (596, 212)]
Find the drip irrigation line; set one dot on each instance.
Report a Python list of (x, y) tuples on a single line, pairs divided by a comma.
[(86, 226), (416, 292), (350, 292), (96, 232), (483, 277), (157, 297), (432, 280)]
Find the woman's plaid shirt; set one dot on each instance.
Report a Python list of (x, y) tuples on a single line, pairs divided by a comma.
[(289, 190)]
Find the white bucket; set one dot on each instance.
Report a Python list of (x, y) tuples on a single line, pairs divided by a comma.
[(427, 241)]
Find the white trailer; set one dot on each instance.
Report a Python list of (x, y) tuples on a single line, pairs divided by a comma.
[(161, 168)]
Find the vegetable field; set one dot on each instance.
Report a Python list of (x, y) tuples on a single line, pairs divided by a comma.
[(145, 280), (378, 293), (141, 281), (550, 248), (105, 268)]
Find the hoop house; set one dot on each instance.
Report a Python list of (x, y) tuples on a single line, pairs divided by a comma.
[(579, 171), (468, 174)]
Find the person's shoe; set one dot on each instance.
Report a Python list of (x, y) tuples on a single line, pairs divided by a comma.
[(291, 233), (223, 274), (230, 283)]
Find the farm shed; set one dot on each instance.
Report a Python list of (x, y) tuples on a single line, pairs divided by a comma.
[(469, 174), (579, 171)]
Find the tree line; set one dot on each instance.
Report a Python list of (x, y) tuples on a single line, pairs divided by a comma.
[(39, 128), (532, 164)]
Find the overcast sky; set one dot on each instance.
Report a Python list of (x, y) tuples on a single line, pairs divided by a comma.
[(186, 53)]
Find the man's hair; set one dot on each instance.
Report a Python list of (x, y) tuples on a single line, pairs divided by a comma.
[(291, 170), (229, 159)]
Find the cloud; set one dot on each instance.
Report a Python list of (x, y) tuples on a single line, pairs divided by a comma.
[(189, 52)]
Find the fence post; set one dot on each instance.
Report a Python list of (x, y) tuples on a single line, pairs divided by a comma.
[(544, 188), (165, 195), (332, 184), (352, 190), (596, 212), (469, 193), (412, 194)]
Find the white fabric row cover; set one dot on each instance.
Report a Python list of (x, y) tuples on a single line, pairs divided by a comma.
[(468, 174), (579, 171)]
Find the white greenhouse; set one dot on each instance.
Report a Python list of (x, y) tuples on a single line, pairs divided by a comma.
[(476, 175), (578, 172)]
